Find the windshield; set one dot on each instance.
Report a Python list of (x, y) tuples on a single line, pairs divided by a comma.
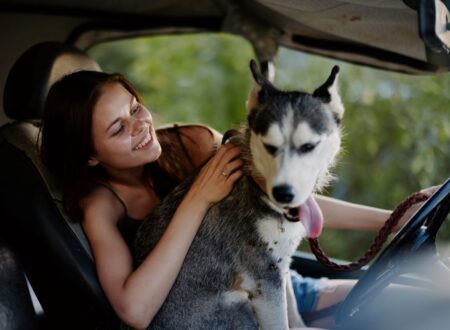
[(396, 126)]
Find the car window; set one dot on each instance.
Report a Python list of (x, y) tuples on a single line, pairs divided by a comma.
[(396, 137), (396, 126), (189, 78)]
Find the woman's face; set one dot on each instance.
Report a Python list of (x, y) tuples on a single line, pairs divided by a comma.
[(122, 131)]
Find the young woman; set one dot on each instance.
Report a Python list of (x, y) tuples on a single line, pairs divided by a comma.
[(98, 139)]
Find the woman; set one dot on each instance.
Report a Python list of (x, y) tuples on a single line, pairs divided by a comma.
[(99, 140)]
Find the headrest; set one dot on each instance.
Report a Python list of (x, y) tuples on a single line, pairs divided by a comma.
[(35, 71)]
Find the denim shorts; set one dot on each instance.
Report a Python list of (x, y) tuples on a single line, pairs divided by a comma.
[(307, 291)]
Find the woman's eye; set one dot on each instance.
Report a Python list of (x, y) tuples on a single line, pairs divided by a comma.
[(119, 130), (307, 147), (136, 109), (271, 149)]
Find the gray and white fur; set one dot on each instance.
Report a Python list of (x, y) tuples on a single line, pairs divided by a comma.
[(236, 271)]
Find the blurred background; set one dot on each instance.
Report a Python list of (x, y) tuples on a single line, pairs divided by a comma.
[(396, 126)]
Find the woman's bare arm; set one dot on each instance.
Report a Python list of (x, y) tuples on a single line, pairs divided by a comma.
[(201, 142), (344, 215)]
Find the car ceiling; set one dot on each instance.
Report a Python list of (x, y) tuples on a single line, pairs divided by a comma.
[(382, 33)]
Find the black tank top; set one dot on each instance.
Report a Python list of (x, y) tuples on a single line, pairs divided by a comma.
[(127, 225)]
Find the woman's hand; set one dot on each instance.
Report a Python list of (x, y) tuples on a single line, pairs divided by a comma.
[(413, 209), (217, 177)]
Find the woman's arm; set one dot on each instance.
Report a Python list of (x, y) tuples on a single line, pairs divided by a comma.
[(201, 142), (137, 295), (344, 215)]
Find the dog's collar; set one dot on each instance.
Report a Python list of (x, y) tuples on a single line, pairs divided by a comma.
[(292, 214)]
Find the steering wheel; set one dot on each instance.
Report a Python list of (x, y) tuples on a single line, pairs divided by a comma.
[(416, 239)]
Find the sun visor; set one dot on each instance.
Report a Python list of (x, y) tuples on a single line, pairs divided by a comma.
[(383, 34)]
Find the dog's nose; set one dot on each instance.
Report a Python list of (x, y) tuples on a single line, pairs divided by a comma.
[(283, 193)]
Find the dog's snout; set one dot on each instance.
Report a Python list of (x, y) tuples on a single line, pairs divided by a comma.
[(283, 193)]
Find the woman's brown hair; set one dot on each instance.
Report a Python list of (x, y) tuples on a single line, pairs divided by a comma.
[(67, 139)]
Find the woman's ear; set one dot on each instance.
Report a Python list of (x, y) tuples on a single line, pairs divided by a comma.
[(92, 161)]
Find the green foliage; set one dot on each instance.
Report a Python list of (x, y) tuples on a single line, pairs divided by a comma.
[(396, 141), (193, 78), (397, 127)]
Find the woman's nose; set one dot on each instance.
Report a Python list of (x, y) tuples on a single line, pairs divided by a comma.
[(137, 126)]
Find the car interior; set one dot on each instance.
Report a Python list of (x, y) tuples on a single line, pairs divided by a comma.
[(58, 245), (47, 273)]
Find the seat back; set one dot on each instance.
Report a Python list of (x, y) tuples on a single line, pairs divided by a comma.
[(52, 248), (16, 307)]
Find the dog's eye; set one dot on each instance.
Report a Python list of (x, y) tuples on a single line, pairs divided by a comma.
[(271, 149), (307, 147), (337, 120)]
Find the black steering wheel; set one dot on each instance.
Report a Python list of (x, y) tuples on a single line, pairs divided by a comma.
[(416, 239)]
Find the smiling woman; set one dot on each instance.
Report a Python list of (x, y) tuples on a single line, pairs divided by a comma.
[(104, 150), (119, 133), (73, 157)]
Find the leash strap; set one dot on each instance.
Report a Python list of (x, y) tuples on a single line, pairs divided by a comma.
[(378, 242)]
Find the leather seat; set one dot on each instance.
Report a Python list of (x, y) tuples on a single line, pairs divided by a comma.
[(53, 249), (16, 307)]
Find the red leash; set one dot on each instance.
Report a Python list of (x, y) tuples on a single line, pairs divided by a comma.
[(378, 242)]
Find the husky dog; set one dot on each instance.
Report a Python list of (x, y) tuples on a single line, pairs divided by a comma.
[(236, 272)]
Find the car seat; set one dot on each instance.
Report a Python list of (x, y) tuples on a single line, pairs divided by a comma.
[(52, 249), (16, 306)]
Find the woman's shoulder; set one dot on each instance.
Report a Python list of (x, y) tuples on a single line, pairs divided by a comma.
[(198, 142), (101, 215), (101, 205), (189, 132)]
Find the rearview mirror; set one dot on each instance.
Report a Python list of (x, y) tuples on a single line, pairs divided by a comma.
[(434, 25)]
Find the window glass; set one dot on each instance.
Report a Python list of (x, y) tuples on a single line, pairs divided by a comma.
[(396, 137), (185, 78)]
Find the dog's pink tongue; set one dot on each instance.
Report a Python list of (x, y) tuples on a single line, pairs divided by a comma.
[(311, 217)]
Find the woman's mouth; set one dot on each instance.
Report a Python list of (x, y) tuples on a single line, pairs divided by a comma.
[(144, 144)]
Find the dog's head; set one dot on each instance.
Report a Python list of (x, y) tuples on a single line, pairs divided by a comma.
[(294, 137)]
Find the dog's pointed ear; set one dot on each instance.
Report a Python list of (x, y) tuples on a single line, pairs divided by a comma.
[(261, 84), (257, 75), (328, 93)]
